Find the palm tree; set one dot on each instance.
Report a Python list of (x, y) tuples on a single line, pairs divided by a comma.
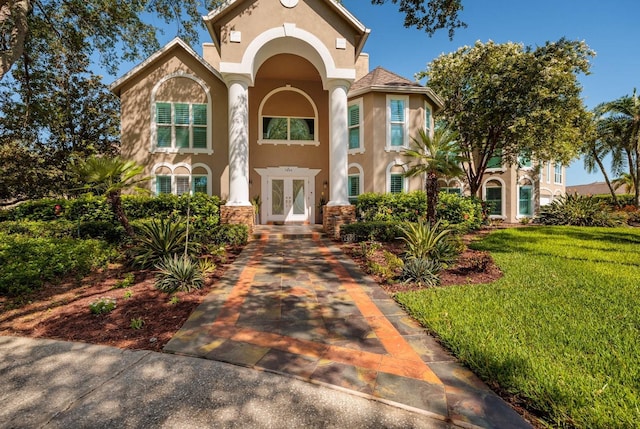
[(434, 157), (622, 118), (594, 151), (625, 180), (110, 177)]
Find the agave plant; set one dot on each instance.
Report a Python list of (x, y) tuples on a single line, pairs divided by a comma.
[(426, 241), (424, 272), (178, 273), (160, 239)]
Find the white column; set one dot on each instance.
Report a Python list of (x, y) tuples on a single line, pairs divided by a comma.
[(338, 144), (238, 141)]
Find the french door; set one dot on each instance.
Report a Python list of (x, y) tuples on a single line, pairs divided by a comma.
[(288, 199)]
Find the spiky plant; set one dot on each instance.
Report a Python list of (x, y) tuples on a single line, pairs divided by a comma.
[(178, 273), (158, 239), (424, 272), (424, 240)]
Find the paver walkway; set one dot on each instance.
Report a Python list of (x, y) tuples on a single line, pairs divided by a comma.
[(300, 307)]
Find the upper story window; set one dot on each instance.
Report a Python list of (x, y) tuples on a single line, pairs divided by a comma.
[(428, 117), (558, 174), (524, 160), (181, 125), (355, 127), (288, 116), (495, 162), (397, 122)]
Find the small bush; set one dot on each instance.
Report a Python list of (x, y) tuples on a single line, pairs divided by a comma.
[(460, 213), (425, 241), (370, 231), (232, 235), (579, 210), (109, 231), (402, 207), (126, 282), (159, 239), (423, 272), (102, 305), (136, 323), (178, 273)]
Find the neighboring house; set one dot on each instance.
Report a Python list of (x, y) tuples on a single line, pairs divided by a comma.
[(282, 106)]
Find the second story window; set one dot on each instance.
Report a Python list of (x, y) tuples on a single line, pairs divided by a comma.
[(181, 125), (397, 122)]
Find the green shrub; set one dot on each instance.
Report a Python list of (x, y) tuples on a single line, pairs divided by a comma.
[(35, 229), (36, 210), (387, 270), (128, 280), (460, 213), (159, 239), (424, 272), (579, 210), (104, 230), (623, 200), (136, 323), (102, 305), (425, 241), (403, 207), (89, 208), (370, 231), (227, 234), (178, 273), (26, 263)]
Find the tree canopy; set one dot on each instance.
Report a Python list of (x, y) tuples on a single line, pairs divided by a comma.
[(508, 100)]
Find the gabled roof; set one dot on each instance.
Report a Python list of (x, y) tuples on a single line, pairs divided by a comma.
[(230, 5), (178, 43), (382, 80)]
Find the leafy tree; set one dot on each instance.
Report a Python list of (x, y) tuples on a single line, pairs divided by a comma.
[(430, 15), (110, 177), (434, 158), (620, 126), (625, 180), (508, 99)]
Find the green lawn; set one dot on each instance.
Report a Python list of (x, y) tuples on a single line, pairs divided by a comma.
[(561, 329)]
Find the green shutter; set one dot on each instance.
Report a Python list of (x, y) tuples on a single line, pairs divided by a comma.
[(163, 135), (525, 200), (199, 114), (182, 137), (163, 113), (354, 115), (397, 110), (495, 161), (199, 184), (181, 114), (354, 138), (199, 137), (163, 185), (494, 200), (397, 135), (397, 183)]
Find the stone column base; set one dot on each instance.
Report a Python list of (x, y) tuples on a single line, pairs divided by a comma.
[(333, 217), (237, 215)]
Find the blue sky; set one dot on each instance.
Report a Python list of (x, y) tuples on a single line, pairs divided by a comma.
[(609, 27)]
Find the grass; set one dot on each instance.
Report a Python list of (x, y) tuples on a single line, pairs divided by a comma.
[(560, 330)]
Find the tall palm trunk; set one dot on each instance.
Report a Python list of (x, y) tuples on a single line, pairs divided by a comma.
[(431, 189), (115, 201), (614, 197)]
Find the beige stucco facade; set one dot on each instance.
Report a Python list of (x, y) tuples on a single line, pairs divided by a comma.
[(281, 108)]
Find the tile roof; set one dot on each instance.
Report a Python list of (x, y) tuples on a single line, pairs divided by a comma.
[(382, 77), (595, 188)]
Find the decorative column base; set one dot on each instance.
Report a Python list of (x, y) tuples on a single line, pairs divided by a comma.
[(333, 217), (237, 215)]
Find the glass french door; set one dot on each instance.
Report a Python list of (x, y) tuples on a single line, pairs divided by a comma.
[(288, 200)]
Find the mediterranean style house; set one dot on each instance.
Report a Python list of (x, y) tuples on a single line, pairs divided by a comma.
[(282, 111)]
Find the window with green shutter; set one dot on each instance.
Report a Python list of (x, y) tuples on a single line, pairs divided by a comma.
[(397, 122), (495, 161), (181, 125), (199, 184), (493, 198), (354, 126), (354, 188), (525, 200), (396, 183), (163, 185)]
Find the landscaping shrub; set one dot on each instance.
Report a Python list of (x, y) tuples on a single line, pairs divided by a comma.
[(424, 272), (384, 231), (623, 200), (26, 263), (102, 305), (386, 270), (159, 239), (43, 209), (104, 230), (178, 273), (426, 241), (232, 235), (461, 213), (35, 229), (579, 210)]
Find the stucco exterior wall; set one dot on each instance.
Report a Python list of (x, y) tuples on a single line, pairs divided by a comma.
[(137, 110)]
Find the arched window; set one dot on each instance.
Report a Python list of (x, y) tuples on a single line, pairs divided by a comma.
[(396, 181), (355, 182), (525, 198), (493, 191), (181, 178), (181, 116), (288, 116)]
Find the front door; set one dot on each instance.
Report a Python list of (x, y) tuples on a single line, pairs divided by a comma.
[(288, 201), (287, 194)]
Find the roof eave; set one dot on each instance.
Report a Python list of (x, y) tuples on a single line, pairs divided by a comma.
[(117, 85), (399, 89)]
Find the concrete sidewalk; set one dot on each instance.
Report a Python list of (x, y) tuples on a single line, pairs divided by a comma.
[(56, 384)]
